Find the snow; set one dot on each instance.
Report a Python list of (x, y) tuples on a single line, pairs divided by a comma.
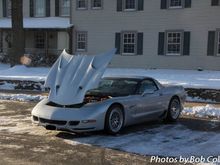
[(21, 72), (4, 66), (44, 23), (21, 97), (208, 111), (199, 100), (186, 78), (167, 140)]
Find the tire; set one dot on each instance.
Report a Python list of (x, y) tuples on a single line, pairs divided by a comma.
[(174, 110), (114, 120)]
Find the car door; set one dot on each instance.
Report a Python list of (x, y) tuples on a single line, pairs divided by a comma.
[(150, 102)]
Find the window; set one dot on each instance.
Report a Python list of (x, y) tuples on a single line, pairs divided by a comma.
[(174, 43), (39, 8), (39, 40), (218, 47), (65, 7), (175, 3), (130, 4), (8, 8), (129, 43), (147, 86), (96, 4), (81, 4), (81, 39)]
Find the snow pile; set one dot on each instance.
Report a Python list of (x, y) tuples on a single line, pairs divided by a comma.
[(208, 111), (21, 72), (21, 97)]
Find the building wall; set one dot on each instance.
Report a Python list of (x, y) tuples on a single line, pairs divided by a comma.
[(62, 41), (102, 25)]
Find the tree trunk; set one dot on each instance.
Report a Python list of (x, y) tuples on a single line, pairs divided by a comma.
[(18, 38)]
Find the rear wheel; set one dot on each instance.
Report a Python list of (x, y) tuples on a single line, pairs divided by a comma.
[(114, 120), (174, 110)]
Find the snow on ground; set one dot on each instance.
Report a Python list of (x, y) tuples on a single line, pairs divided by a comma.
[(167, 140), (208, 111), (21, 97), (194, 99), (186, 78), (22, 72), (4, 66)]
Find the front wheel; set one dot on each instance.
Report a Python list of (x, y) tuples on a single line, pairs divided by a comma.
[(174, 110), (114, 120)]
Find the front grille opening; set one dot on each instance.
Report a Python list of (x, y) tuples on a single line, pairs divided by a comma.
[(65, 106), (35, 118), (73, 123), (58, 122)]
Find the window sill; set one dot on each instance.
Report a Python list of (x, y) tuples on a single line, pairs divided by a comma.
[(64, 15), (129, 10), (80, 50), (129, 54), (96, 8), (173, 54), (81, 8), (175, 7)]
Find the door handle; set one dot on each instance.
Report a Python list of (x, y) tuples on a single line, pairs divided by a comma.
[(160, 94)]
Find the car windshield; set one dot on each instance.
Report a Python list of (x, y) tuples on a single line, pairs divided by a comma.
[(116, 87)]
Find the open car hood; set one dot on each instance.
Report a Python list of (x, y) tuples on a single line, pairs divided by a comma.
[(72, 76)]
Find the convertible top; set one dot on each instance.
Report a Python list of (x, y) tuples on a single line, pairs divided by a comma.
[(72, 75)]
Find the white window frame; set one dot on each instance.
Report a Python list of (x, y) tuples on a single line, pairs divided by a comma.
[(62, 8), (83, 41), (96, 8), (133, 43), (35, 9), (81, 8), (218, 43), (129, 9), (180, 43), (175, 7)]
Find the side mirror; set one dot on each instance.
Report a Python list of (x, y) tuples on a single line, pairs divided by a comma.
[(148, 92)]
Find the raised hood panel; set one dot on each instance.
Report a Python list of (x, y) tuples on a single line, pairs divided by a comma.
[(72, 76)]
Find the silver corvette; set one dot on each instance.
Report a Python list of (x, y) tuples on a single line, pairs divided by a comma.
[(117, 102)]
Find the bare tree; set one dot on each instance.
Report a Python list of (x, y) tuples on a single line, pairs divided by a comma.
[(18, 38)]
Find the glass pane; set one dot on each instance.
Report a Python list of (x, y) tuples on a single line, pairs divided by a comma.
[(65, 7), (175, 3), (97, 3), (40, 8), (81, 4), (130, 4)]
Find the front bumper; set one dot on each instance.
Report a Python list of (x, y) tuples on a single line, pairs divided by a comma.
[(87, 118), (64, 125)]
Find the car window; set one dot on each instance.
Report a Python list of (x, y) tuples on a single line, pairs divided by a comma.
[(118, 86), (147, 85)]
